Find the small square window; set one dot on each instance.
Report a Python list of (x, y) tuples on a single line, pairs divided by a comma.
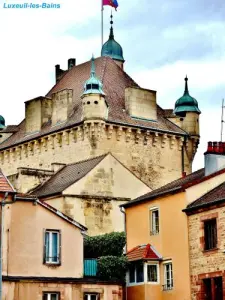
[(154, 221), (52, 247), (210, 234), (152, 273), (51, 296)]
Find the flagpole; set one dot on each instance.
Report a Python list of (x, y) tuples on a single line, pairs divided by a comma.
[(102, 23)]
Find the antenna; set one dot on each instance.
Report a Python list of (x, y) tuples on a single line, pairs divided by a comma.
[(222, 120)]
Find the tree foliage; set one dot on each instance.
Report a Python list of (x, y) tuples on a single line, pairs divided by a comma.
[(112, 267), (110, 244)]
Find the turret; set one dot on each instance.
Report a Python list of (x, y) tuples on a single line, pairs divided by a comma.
[(187, 112), (113, 49), (2, 122), (93, 98)]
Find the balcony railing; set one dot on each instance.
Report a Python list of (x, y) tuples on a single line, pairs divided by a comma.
[(90, 267)]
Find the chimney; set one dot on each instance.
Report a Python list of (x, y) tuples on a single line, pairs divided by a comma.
[(58, 73), (141, 103), (71, 63), (214, 157)]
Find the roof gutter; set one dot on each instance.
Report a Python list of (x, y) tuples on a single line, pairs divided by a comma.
[(164, 193)]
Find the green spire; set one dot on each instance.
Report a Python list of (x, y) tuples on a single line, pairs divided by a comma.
[(186, 103), (93, 85), (111, 48)]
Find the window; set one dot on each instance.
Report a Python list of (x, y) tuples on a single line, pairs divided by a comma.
[(52, 247), (91, 296), (210, 234), (154, 221), (136, 272), (168, 277), (51, 296), (213, 286), (152, 273)]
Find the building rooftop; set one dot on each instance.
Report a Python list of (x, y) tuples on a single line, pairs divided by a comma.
[(143, 252), (114, 81), (5, 185)]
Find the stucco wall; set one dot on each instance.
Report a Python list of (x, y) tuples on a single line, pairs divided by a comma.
[(171, 242), (26, 290), (24, 240)]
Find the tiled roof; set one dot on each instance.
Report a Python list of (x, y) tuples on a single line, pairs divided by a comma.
[(10, 129), (214, 196), (171, 187), (5, 185), (114, 80), (142, 252), (66, 176)]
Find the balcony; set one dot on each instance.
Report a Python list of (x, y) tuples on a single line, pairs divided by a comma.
[(90, 267)]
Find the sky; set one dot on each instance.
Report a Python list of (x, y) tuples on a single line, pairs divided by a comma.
[(162, 42)]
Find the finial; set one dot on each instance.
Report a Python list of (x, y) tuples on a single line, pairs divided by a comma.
[(111, 36), (186, 92), (92, 65)]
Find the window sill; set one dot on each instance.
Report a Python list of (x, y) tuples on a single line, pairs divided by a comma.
[(152, 233), (135, 284), (50, 264), (210, 250)]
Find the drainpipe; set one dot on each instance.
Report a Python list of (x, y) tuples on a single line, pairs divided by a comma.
[(3, 203), (125, 227)]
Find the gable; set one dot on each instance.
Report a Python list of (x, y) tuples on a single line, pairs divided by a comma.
[(109, 178)]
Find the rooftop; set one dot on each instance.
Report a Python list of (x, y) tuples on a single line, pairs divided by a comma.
[(143, 252), (114, 81)]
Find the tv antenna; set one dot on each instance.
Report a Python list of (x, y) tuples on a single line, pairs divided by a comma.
[(222, 120)]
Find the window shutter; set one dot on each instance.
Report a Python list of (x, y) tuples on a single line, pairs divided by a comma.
[(44, 246), (60, 247)]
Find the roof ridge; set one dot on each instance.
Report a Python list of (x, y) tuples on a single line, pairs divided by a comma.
[(88, 159)]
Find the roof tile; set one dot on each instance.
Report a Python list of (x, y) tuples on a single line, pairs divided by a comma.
[(142, 252)]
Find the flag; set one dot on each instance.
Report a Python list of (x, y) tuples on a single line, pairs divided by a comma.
[(112, 3)]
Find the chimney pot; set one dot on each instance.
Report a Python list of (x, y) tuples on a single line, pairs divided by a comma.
[(210, 147)]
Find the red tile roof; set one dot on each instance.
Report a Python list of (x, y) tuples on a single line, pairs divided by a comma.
[(143, 252), (114, 80), (5, 185)]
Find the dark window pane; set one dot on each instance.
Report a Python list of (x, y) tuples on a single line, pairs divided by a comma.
[(207, 289), (218, 284), (152, 273), (93, 297), (85, 297), (45, 297), (139, 272), (210, 234), (132, 273)]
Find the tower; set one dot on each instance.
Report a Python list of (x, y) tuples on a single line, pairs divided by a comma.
[(93, 98), (187, 112), (113, 49), (2, 122)]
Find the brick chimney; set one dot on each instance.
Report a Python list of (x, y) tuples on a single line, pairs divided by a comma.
[(214, 157), (71, 63)]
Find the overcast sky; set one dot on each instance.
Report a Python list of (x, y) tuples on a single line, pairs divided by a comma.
[(162, 41)]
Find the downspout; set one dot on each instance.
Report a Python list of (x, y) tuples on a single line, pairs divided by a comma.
[(3, 203), (125, 227)]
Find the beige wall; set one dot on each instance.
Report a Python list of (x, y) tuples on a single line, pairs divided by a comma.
[(94, 107), (109, 178), (171, 242), (154, 157), (98, 215), (26, 290), (23, 243)]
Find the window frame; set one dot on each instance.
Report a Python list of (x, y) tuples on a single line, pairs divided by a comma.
[(157, 272), (91, 294), (214, 239), (50, 293), (59, 250), (154, 227), (135, 274), (167, 287)]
